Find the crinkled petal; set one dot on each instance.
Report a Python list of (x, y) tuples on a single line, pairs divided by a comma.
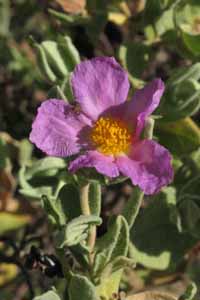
[(143, 103), (56, 127), (148, 166), (98, 84), (93, 159)]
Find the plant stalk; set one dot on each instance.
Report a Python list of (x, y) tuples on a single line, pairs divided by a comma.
[(85, 208), (84, 199)]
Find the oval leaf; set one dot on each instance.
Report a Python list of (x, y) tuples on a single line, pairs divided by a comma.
[(51, 295), (81, 288)]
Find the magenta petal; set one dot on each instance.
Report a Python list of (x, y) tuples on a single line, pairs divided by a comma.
[(93, 159), (148, 166), (98, 84), (56, 127), (147, 99), (143, 103)]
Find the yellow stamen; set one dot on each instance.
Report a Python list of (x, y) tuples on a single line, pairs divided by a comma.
[(111, 136)]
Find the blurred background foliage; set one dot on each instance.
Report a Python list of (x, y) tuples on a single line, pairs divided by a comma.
[(40, 44)]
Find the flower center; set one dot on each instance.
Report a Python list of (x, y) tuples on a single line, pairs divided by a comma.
[(110, 136)]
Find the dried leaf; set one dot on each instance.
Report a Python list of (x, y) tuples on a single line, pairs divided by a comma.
[(7, 187), (72, 6)]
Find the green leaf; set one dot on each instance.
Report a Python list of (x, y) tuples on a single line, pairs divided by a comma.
[(10, 221), (180, 137), (51, 295), (25, 152), (182, 95), (57, 59), (187, 182), (158, 18), (43, 65), (109, 285), (76, 231), (190, 188), (195, 160), (64, 207), (43, 177), (32, 191), (127, 54), (68, 202), (110, 258), (188, 204), (81, 288), (117, 264), (36, 193), (186, 16), (190, 292), (80, 253), (153, 9), (69, 51), (113, 244), (192, 42), (53, 211), (70, 20), (66, 89), (132, 207), (165, 22), (190, 215), (156, 241), (45, 166), (121, 246)]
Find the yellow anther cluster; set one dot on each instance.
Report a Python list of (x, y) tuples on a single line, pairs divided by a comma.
[(110, 136)]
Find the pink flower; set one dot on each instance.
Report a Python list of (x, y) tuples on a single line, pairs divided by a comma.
[(105, 131)]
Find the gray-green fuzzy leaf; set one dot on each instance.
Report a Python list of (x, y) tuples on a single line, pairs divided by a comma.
[(51, 295), (113, 244), (157, 243), (76, 231), (81, 288), (182, 94), (132, 207), (56, 59), (117, 264), (45, 166)]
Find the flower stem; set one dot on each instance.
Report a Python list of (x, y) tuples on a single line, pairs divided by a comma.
[(84, 199), (85, 208)]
